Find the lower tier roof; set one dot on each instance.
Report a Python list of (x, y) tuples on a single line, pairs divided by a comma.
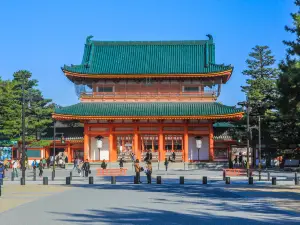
[(147, 110)]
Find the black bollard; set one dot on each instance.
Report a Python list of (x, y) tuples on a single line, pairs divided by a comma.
[(113, 180), (22, 181), (273, 180), (53, 175), (34, 175), (204, 180), (268, 176), (227, 180), (68, 181), (12, 176), (71, 175), (296, 179), (181, 180), (135, 181), (45, 180), (1, 181), (250, 180), (91, 180), (259, 175), (158, 179)]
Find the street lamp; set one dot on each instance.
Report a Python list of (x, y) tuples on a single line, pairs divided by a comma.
[(198, 145), (99, 144), (248, 110)]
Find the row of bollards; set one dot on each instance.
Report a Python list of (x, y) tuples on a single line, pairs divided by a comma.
[(158, 179)]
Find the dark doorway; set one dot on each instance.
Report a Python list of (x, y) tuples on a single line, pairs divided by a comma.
[(57, 150)]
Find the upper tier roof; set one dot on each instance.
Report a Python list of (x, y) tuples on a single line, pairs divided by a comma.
[(126, 59)]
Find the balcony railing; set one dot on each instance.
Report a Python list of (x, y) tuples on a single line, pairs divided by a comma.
[(145, 95)]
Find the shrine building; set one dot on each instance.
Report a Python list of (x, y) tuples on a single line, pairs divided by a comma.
[(149, 96)]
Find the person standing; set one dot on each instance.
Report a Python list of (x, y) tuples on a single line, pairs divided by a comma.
[(34, 164), (86, 168), (166, 164), (41, 165), (121, 163), (15, 168), (149, 172), (137, 171)]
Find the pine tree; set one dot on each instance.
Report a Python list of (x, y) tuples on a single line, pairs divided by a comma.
[(261, 92), (289, 85), (37, 109)]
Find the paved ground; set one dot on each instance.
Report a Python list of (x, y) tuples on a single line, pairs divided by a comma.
[(169, 203)]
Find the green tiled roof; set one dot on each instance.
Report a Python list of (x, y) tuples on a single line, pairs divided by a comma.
[(148, 57), (70, 133), (223, 125), (132, 109)]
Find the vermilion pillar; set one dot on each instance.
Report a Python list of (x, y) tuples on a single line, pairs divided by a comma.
[(211, 142), (161, 150), (69, 152), (86, 143), (113, 155), (137, 151), (186, 144)]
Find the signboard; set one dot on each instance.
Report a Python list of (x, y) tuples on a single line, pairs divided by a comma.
[(5, 153)]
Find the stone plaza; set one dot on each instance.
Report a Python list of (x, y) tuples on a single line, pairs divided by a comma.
[(166, 203)]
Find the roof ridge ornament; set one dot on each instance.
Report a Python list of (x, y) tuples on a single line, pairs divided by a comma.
[(88, 39), (210, 37)]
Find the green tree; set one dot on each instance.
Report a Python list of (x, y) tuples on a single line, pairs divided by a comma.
[(37, 109), (262, 93), (289, 86)]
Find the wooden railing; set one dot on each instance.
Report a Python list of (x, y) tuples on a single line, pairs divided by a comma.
[(149, 94)]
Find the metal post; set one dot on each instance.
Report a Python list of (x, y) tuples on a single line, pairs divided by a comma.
[(259, 147), (227, 180), (248, 136), (273, 180), (296, 179), (269, 176), (23, 128), (54, 136), (204, 180), (158, 179), (181, 180)]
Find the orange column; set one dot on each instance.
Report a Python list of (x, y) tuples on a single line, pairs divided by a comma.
[(161, 150), (69, 151), (137, 151), (86, 144), (211, 143), (186, 144), (113, 155)]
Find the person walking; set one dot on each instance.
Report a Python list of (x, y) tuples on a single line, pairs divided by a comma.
[(86, 168), (166, 164), (149, 172), (137, 169), (34, 164), (41, 166)]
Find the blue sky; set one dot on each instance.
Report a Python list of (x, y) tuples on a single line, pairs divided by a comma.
[(42, 36)]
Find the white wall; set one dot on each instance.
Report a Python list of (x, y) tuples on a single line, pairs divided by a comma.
[(104, 152), (193, 151)]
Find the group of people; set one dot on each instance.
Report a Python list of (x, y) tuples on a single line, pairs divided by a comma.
[(83, 168), (139, 169), (238, 161)]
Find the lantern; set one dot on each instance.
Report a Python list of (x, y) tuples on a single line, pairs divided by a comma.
[(198, 142), (99, 142)]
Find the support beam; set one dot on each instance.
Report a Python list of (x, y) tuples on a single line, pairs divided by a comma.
[(69, 152)]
